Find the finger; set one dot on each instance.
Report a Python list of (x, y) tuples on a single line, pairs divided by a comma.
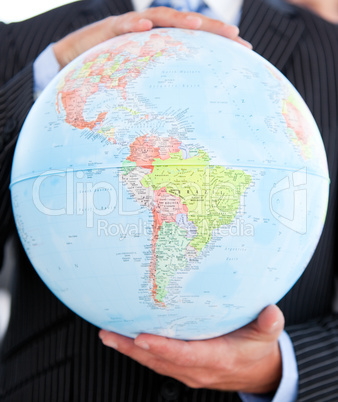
[(219, 28), (208, 363), (126, 346), (271, 320), (243, 42), (167, 17), (171, 351), (267, 326), (183, 353), (129, 22), (143, 356), (114, 340)]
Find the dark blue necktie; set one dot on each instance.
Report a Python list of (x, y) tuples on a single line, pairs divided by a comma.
[(183, 5)]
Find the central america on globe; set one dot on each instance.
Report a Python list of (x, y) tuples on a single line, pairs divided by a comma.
[(169, 182)]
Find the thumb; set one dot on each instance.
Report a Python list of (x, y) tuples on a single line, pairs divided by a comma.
[(270, 322)]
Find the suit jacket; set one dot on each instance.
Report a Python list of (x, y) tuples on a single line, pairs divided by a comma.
[(50, 354)]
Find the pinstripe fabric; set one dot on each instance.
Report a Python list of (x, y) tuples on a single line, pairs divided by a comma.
[(52, 355)]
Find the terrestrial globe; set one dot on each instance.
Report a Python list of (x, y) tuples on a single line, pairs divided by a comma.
[(170, 182)]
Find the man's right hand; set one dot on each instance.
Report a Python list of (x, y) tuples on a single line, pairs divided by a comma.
[(77, 42)]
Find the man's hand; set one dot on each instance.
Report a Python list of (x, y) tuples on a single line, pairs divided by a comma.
[(85, 38), (246, 360)]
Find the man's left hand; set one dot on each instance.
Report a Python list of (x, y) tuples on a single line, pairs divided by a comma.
[(247, 360)]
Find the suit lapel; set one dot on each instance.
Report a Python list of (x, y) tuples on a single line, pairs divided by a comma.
[(122, 6), (98, 9), (273, 30)]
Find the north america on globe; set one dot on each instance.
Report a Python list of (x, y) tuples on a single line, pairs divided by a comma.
[(177, 184)]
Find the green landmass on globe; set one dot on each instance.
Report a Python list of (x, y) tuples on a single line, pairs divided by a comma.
[(204, 195)]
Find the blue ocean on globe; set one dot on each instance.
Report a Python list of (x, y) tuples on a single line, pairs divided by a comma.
[(169, 182)]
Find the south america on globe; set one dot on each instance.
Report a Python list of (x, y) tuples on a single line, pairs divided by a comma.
[(169, 182)]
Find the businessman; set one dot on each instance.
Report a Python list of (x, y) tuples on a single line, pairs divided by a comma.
[(50, 354)]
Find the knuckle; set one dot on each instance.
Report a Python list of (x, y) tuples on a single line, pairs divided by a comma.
[(109, 21), (217, 24), (129, 14), (161, 9), (204, 382), (200, 382), (192, 384), (110, 18), (124, 18), (159, 366), (125, 349), (109, 24), (227, 365), (149, 12)]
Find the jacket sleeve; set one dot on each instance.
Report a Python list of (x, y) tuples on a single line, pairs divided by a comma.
[(16, 99), (316, 348), (20, 44)]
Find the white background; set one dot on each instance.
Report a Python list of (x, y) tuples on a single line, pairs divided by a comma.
[(18, 10)]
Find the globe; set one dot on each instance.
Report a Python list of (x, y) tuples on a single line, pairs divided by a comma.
[(169, 182)]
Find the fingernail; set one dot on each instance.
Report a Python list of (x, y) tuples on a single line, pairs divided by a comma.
[(102, 333), (197, 21), (142, 21), (105, 340), (235, 29), (142, 344), (245, 43), (274, 325), (110, 343), (146, 23), (248, 44)]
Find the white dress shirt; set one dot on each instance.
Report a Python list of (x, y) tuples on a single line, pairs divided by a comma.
[(228, 11)]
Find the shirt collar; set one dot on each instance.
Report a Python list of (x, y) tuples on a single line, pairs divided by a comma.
[(228, 11)]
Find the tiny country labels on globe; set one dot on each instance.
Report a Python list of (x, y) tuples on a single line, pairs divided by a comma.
[(169, 182)]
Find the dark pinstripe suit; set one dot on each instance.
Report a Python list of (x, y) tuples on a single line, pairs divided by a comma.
[(51, 355)]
